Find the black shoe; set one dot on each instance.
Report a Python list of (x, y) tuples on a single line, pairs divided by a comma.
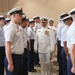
[(37, 65), (34, 70)]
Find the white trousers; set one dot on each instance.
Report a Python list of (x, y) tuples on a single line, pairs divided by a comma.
[(45, 63)]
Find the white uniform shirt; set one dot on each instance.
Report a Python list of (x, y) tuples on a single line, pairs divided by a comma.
[(37, 26), (52, 27), (64, 34), (14, 35), (31, 33), (44, 40), (2, 38), (5, 27), (60, 27), (25, 35), (71, 36), (55, 32)]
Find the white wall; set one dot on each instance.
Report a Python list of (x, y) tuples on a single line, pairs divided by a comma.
[(6, 5), (48, 8), (0, 6)]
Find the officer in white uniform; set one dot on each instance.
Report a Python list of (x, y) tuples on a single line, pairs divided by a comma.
[(37, 23), (71, 45), (7, 21), (2, 44), (23, 28), (44, 43), (37, 26), (27, 21), (67, 21), (31, 37), (60, 27), (14, 43), (51, 25)]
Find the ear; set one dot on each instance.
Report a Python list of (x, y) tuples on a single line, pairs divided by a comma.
[(14, 15)]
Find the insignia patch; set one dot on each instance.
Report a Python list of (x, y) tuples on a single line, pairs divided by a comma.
[(46, 32)]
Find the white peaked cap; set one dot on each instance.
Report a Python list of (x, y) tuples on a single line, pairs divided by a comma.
[(73, 10), (7, 19), (35, 16), (1, 16), (16, 9), (67, 17), (50, 19)]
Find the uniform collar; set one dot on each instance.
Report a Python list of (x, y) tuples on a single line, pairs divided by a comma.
[(21, 27), (15, 25), (1, 27), (30, 27), (66, 25), (50, 26), (37, 23), (44, 27), (73, 22)]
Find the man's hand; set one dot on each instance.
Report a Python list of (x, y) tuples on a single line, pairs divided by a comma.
[(73, 69), (66, 56), (29, 48), (35, 51), (9, 56), (10, 67)]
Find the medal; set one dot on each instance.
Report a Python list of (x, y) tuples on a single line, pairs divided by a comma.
[(46, 32)]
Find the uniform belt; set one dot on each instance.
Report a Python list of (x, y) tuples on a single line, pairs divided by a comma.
[(32, 39), (17, 55), (2, 46)]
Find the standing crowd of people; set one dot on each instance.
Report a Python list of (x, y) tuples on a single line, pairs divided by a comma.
[(25, 43)]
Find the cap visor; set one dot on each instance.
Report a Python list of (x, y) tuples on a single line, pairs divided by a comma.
[(44, 21), (21, 13)]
